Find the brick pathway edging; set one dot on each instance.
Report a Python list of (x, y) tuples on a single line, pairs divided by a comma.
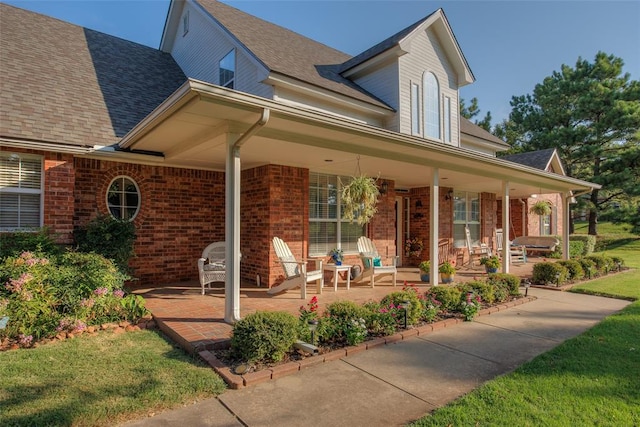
[(235, 381)]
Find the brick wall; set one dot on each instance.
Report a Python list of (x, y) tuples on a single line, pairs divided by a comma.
[(275, 202), (420, 219), (181, 212)]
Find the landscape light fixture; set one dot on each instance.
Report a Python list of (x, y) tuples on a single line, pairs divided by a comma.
[(313, 325), (405, 306), (384, 187)]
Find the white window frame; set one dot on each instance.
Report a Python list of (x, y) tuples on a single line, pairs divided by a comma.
[(472, 218), (333, 203), (431, 102), (229, 82), (122, 196), (415, 109), (185, 23), (447, 119), (20, 190)]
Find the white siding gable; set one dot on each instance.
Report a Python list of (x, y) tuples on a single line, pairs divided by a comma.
[(383, 83), (426, 54), (199, 51)]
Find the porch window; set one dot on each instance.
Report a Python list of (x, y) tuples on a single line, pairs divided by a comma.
[(431, 99), (466, 213), (20, 191), (415, 109), (123, 198), (227, 69), (327, 230)]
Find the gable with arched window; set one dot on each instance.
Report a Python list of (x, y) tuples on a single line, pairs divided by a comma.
[(431, 99)]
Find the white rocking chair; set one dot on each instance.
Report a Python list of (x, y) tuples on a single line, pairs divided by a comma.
[(295, 272), (475, 252), (372, 263)]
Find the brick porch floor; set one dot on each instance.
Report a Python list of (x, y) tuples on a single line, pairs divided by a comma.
[(196, 322)]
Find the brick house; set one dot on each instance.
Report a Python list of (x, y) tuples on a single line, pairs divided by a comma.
[(240, 130)]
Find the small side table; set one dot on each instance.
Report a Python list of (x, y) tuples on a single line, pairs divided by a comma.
[(337, 269)]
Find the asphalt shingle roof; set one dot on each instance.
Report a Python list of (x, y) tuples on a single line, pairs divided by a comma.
[(68, 84), (288, 53), (536, 159)]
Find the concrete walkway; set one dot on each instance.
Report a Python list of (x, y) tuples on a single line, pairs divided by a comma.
[(398, 383)]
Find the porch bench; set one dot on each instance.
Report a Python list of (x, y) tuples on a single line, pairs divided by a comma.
[(537, 243)]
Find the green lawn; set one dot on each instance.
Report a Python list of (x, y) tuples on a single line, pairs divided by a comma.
[(593, 379), (99, 380)]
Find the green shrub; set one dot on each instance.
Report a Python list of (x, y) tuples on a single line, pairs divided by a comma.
[(603, 263), (618, 262), (414, 311), (545, 273), (39, 241), (110, 237), (448, 296), (576, 249), (348, 322), (574, 269), (588, 241), (381, 321), (588, 267), (264, 336), (508, 281), (485, 290)]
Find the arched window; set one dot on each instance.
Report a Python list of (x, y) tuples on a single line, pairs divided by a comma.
[(123, 198), (431, 108)]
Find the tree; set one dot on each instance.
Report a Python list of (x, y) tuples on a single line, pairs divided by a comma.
[(591, 115), (472, 111)]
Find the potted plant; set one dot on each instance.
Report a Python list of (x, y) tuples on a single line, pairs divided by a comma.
[(491, 263), (425, 267), (541, 207), (359, 198), (447, 272), (337, 255)]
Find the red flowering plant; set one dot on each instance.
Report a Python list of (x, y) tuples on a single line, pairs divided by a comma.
[(310, 312)]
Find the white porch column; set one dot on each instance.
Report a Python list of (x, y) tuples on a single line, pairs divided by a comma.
[(232, 231), (506, 262), (433, 226), (566, 199)]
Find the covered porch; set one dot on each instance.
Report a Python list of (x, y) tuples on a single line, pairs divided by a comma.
[(267, 150)]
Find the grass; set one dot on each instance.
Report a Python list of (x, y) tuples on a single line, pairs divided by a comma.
[(100, 380), (592, 379)]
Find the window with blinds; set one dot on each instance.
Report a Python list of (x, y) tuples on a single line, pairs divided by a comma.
[(327, 230), (20, 191), (466, 213)]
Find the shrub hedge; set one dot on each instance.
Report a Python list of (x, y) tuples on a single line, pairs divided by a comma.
[(545, 273), (264, 336)]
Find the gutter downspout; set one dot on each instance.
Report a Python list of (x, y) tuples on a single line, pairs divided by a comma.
[(232, 218)]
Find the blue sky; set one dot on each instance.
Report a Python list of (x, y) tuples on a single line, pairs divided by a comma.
[(510, 45)]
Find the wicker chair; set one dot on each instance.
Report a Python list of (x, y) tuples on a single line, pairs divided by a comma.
[(211, 266)]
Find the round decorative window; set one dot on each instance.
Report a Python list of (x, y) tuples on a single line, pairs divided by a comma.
[(123, 198)]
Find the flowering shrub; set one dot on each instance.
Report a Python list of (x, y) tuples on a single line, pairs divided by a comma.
[(44, 296), (345, 321), (430, 308), (470, 306)]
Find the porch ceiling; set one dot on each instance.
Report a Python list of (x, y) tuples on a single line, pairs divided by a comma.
[(191, 129)]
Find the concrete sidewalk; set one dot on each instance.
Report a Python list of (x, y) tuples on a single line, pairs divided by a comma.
[(398, 383)]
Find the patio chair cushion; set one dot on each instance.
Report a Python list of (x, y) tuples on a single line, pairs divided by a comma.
[(377, 262), (214, 266)]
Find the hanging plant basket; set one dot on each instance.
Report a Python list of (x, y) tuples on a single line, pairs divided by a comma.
[(359, 198), (541, 208)]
